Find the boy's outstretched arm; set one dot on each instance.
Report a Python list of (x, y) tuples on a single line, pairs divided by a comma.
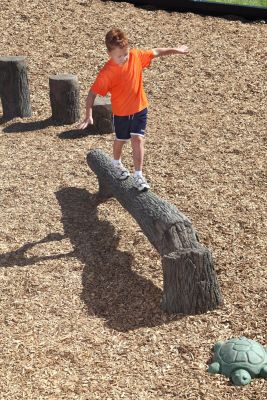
[(160, 52), (88, 120)]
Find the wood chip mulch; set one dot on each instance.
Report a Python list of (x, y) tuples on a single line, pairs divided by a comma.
[(80, 283)]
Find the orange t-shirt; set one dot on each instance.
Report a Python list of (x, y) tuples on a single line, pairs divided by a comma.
[(124, 83)]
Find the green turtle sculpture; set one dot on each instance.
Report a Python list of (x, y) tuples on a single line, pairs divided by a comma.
[(240, 359)]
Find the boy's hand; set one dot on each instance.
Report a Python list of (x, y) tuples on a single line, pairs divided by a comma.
[(182, 49), (85, 123)]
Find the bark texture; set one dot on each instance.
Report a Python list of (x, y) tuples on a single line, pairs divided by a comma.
[(102, 115), (64, 98), (14, 87), (190, 283)]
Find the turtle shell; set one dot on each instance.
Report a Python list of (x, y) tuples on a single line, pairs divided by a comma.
[(241, 353)]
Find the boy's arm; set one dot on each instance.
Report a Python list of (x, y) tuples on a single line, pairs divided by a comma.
[(160, 52), (88, 120)]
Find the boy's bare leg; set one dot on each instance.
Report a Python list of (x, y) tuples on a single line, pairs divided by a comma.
[(138, 159), (117, 148), (137, 142)]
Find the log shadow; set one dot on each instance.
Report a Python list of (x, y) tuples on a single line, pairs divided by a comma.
[(111, 289), (91, 130), (19, 127)]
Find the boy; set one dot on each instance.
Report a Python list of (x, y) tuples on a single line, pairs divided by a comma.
[(122, 77)]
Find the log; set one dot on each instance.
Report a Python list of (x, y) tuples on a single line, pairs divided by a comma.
[(14, 87), (172, 235), (64, 98), (102, 115), (165, 227)]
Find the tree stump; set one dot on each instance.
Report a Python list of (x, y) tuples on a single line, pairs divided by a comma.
[(102, 115), (190, 283), (14, 87), (64, 98)]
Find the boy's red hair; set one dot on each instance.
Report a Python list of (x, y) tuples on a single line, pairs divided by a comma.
[(116, 38)]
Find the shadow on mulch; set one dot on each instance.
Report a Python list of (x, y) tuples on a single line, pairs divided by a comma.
[(204, 12), (91, 130), (19, 127), (79, 133), (111, 289), (19, 259)]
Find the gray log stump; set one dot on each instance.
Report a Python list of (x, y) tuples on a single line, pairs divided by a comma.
[(190, 282), (188, 274), (64, 98), (102, 115), (14, 87)]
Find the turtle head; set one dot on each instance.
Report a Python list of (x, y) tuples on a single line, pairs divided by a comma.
[(241, 377)]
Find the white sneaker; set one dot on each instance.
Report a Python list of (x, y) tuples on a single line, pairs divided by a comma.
[(141, 184), (121, 172)]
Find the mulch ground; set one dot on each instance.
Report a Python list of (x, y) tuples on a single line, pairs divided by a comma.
[(80, 284)]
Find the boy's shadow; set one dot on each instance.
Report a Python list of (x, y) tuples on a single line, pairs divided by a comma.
[(111, 289), (19, 257)]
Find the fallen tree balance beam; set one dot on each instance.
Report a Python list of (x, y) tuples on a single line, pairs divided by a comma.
[(190, 285)]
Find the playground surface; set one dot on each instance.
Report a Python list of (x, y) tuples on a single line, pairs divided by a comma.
[(80, 283)]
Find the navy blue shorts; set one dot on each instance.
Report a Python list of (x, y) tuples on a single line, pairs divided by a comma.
[(129, 125)]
